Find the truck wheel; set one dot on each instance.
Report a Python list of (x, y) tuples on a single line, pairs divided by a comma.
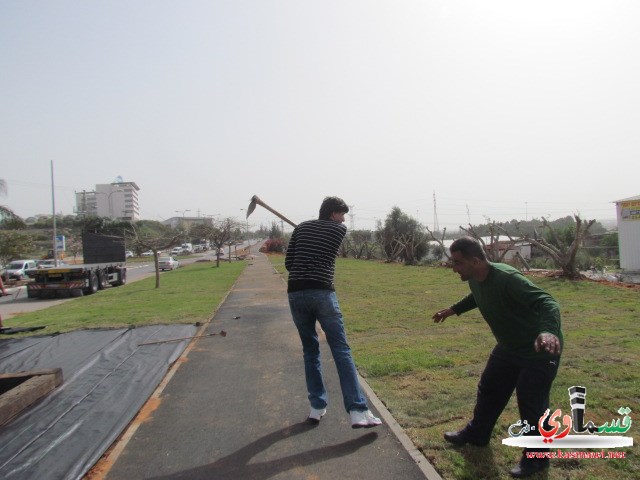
[(102, 280), (122, 277), (93, 284)]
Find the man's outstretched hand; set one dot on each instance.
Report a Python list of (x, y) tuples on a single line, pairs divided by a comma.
[(442, 314)]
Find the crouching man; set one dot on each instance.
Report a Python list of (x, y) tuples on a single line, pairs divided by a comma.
[(525, 321)]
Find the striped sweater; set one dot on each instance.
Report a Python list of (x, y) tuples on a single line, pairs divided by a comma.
[(311, 254)]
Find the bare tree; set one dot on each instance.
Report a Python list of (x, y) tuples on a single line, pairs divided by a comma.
[(345, 247), (411, 244), (388, 245), (563, 251), (220, 233), (496, 250), (362, 245), (440, 242), (154, 241)]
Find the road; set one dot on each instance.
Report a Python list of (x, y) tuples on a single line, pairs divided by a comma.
[(16, 302)]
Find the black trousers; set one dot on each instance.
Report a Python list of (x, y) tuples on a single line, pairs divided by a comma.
[(504, 373)]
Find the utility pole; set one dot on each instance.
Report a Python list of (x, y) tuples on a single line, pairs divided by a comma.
[(436, 226), (53, 207)]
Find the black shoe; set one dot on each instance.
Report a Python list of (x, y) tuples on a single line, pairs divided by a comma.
[(462, 437), (528, 466)]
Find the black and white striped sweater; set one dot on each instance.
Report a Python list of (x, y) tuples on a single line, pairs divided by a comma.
[(311, 254)]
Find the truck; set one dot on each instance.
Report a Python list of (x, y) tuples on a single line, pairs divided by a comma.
[(104, 264)]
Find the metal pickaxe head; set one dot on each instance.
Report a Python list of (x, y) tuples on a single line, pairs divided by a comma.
[(252, 205)]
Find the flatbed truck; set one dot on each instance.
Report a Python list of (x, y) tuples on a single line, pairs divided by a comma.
[(104, 264)]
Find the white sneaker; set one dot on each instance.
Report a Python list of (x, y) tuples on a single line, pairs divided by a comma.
[(363, 419), (316, 414)]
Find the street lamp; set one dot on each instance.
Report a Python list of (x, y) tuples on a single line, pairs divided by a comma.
[(183, 212)]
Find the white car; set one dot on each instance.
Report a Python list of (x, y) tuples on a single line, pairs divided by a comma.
[(17, 269), (147, 254), (168, 263), (177, 251)]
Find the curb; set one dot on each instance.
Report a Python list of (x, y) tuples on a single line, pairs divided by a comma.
[(425, 466)]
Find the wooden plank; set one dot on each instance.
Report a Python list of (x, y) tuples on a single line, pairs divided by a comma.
[(37, 385)]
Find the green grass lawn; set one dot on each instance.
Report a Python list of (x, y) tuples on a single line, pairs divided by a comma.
[(427, 373), (187, 295)]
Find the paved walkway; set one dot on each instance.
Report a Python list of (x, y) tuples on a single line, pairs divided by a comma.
[(234, 407)]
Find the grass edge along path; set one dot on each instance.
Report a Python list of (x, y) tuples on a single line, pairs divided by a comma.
[(189, 294), (426, 374)]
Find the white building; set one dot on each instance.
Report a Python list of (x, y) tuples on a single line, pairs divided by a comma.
[(117, 200), (628, 213)]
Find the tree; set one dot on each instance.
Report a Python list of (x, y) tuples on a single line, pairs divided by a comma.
[(563, 246), (440, 249), (219, 233), (74, 246), (14, 245), (496, 250), (9, 219), (142, 236), (275, 231), (402, 238), (361, 244)]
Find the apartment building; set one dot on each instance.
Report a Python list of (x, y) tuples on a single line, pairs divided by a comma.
[(117, 200)]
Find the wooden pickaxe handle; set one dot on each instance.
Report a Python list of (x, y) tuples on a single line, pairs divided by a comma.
[(255, 200)]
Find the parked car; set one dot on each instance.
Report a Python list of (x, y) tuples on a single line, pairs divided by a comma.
[(148, 253), (177, 251), (128, 254), (17, 269), (168, 263)]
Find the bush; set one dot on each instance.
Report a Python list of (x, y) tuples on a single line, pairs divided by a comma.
[(273, 245)]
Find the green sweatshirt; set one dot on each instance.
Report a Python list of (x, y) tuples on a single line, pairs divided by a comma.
[(516, 310)]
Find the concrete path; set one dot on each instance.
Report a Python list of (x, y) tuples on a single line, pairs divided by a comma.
[(234, 407)]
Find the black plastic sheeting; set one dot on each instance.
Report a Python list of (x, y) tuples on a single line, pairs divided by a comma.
[(108, 377)]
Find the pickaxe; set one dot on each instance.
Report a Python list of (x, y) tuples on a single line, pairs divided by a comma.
[(255, 200)]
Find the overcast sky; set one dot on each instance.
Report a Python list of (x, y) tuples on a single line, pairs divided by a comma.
[(503, 109)]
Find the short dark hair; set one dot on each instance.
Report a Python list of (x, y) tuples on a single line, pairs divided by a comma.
[(331, 205), (469, 247)]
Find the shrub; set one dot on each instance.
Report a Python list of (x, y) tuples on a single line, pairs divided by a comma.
[(273, 245)]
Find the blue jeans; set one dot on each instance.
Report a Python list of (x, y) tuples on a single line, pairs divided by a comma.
[(307, 306)]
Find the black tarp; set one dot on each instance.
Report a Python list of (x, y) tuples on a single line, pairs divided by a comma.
[(108, 377)]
